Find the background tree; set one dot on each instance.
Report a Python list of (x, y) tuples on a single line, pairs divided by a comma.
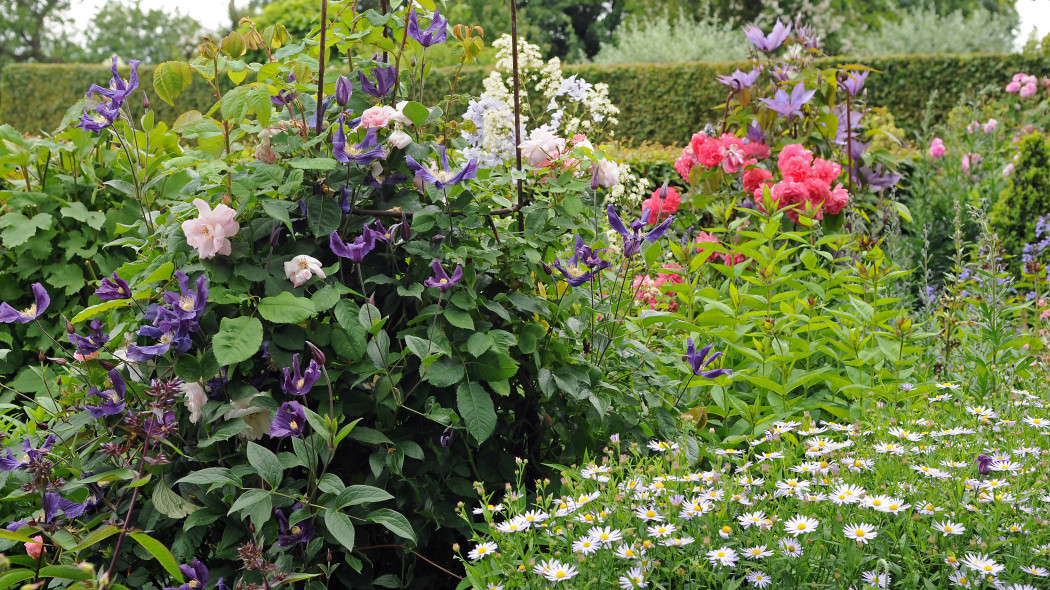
[(29, 30), (126, 29)]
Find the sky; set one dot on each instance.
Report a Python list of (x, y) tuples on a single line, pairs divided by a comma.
[(213, 14)]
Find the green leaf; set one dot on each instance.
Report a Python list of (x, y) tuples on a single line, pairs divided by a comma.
[(163, 273), (171, 504), (238, 339), (96, 536), (355, 495), (394, 521), (211, 475), (445, 372), (323, 215), (340, 527), (170, 79), (286, 309), (458, 318), (313, 164), (78, 211), (529, 337), (475, 405), (15, 576), (249, 499), (416, 113), (479, 343), (65, 572), (235, 104), (277, 209), (20, 228), (260, 104), (268, 465), (160, 553)]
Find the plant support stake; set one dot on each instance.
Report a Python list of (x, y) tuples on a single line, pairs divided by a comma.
[(320, 68), (517, 107)]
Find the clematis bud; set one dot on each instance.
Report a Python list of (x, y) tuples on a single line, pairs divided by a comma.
[(447, 436), (343, 89), (69, 328), (107, 365), (316, 352), (406, 229)]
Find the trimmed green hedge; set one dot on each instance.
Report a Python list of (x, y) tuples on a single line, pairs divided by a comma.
[(662, 103)]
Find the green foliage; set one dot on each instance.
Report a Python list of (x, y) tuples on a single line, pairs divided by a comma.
[(1026, 196), (125, 28), (661, 38), (29, 31), (925, 30)]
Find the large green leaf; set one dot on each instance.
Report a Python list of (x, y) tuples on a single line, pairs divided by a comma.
[(286, 309), (171, 504), (475, 405), (160, 553), (354, 495), (268, 465), (340, 527), (170, 79), (394, 521), (238, 339)]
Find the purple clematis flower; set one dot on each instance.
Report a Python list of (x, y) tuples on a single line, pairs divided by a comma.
[(444, 176), (119, 89), (188, 305), (739, 80), (285, 96), (355, 250), (41, 300), (168, 329), (590, 257), (441, 280), (384, 234), (90, 344), (854, 82), (98, 118), (300, 383), (632, 240), (447, 436), (344, 88), (112, 399), (878, 180), (698, 360), (574, 275), (789, 105), (984, 464), (113, 287), (300, 532), (363, 154), (53, 502), (386, 77), (755, 134), (290, 420), (768, 43), (436, 33), (9, 463), (196, 576)]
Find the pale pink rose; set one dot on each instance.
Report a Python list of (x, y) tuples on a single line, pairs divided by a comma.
[(973, 126), (399, 139), (195, 400), (211, 231), (606, 174), (378, 117), (970, 159), (937, 148), (301, 268), (1028, 90), (1008, 170), (990, 126), (1013, 87), (35, 550), (541, 147)]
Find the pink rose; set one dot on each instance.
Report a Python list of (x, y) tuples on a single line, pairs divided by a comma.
[(759, 151), (795, 150), (541, 147), (973, 126), (786, 193), (35, 550), (1013, 87), (378, 117), (838, 201), (794, 169), (754, 178), (1028, 90), (709, 151), (684, 164), (734, 156), (990, 126), (825, 170), (210, 232), (937, 148)]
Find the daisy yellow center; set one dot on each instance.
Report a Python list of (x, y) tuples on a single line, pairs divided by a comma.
[(559, 575), (877, 502), (481, 550), (629, 553), (726, 529), (801, 526), (947, 529), (988, 568), (650, 513), (893, 506), (721, 553), (860, 532)]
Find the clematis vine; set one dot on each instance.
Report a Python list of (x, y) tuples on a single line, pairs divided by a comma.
[(31, 455), (290, 420), (112, 399), (355, 250), (88, 346), (41, 301), (386, 77), (364, 153), (436, 33), (113, 287), (698, 360), (301, 532), (632, 240), (443, 176), (441, 280), (109, 100), (789, 105), (769, 42), (300, 383), (573, 271)]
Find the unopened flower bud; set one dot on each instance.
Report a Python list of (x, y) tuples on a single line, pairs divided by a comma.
[(145, 101), (343, 89), (316, 352), (107, 365), (69, 328)]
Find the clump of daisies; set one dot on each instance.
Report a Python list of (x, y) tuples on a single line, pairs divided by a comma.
[(951, 493)]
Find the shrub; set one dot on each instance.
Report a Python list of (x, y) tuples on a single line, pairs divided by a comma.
[(1026, 196), (922, 30), (670, 39)]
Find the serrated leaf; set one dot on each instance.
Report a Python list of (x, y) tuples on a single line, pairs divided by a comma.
[(170, 79), (171, 504), (19, 228), (238, 339), (476, 408), (479, 343), (286, 309), (445, 372), (78, 211), (211, 475)]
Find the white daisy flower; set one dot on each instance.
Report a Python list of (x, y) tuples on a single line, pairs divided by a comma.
[(790, 548), (555, 571), (757, 552), (876, 578), (860, 532), (799, 525), (758, 579), (482, 551), (723, 556), (982, 564), (635, 578)]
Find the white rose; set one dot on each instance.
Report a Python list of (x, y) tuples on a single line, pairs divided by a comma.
[(399, 139), (301, 268), (256, 419), (606, 173)]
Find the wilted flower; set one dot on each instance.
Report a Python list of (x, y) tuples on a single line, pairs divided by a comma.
[(301, 268), (211, 231), (41, 300), (290, 420), (436, 33), (441, 280), (195, 400)]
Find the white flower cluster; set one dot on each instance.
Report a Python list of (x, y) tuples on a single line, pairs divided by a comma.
[(573, 105), (631, 191)]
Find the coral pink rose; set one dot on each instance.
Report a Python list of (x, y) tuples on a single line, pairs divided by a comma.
[(541, 147), (794, 169), (818, 193), (709, 151), (838, 201), (937, 148), (754, 178), (734, 156), (757, 150), (827, 171), (662, 208), (210, 232), (684, 164), (35, 550), (795, 150), (786, 193)]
